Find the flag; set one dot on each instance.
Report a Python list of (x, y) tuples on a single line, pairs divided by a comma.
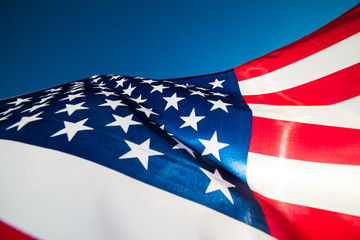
[(303, 162), (269, 149)]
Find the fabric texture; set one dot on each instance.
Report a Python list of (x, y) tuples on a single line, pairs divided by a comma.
[(268, 149)]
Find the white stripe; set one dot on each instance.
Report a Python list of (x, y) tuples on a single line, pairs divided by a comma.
[(53, 195), (332, 59), (344, 114), (332, 187)]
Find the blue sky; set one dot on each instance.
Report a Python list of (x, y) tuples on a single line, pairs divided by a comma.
[(47, 43)]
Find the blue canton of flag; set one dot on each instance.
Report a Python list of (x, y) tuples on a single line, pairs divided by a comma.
[(189, 136)]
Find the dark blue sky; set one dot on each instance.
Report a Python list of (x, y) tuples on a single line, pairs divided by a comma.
[(47, 43)]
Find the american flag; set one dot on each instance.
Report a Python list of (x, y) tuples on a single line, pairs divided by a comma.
[(268, 149), (303, 162)]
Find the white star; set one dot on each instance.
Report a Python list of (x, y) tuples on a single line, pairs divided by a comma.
[(75, 90), (95, 80), (141, 152), (54, 89), (201, 88), (219, 104), (72, 128), (166, 81), (123, 122), (219, 94), (173, 101), (114, 77), (35, 107), (147, 111), (212, 146), (100, 84), (25, 120), (218, 183), (191, 120), (217, 83), (45, 99), (107, 94), (5, 117), (120, 82), (71, 108), (148, 81), (95, 76), (158, 88), (20, 101), (139, 100), (180, 145), (129, 90), (50, 94), (75, 87), (182, 85), (193, 92), (77, 84), (112, 104), (11, 109), (71, 97)]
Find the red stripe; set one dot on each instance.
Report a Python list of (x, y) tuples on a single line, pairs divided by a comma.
[(341, 28), (331, 89), (302, 141), (9, 233), (291, 221)]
